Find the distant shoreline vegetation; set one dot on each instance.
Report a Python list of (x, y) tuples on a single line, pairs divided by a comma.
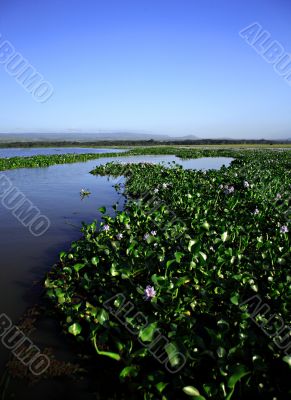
[(114, 143), (42, 161)]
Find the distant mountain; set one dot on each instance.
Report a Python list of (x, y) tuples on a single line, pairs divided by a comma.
[(83, 137), (115, 136)]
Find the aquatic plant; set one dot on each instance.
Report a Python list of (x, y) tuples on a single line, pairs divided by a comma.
[(182, 263), (84, 193)]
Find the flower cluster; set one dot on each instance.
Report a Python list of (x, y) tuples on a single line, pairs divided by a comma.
[(284, 229), (105, 228), (228, 189), (149, 292)]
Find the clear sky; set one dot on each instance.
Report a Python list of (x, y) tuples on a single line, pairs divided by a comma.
[(175, 67)]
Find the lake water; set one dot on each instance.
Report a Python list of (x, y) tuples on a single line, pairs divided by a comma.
[(56, 192), (46, 151)]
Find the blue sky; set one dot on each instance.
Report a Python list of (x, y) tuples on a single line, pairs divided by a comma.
[(172, 67)]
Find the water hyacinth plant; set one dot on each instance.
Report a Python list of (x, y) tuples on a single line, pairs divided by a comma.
[(84, 193), (187, 264)]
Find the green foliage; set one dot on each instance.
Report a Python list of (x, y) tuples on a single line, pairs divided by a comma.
[(46, 161), (205, 251)]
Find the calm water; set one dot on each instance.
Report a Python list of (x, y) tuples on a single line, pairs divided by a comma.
[(43, 151), (56, 192)]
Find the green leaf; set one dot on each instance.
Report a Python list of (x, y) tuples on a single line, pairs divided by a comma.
[(287, 359), (61, 298), (130, 371), (173, 354), (95, 260), (75, 329), (191, 391), (224, 236), (191, 243), (168, 264), (78, 267), (113, 270), (178, 256), (239, 373), (235, 299), (91, 310), (147, 333), (206, 225), (102, 316), (102, 210), (161, 386), (109, 354), (221, 352), (203, 255), (48, 284)]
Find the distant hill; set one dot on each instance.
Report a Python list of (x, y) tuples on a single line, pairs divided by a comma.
[(85, 137), (117, 138)]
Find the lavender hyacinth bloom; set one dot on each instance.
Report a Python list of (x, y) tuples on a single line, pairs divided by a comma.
[(284, 229), (106, 228), (228, 189), (149, 292), (154, 233), (246, 184), (256, 211), (146, 236), (119, 236)]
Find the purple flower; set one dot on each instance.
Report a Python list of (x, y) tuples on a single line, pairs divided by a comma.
[(256, 211), (278, 196), (106, 228), (284, 229), (149, 292), (119, 236), (156, 190), (228, 189), (154, 233), (146, 236), (246, 184)]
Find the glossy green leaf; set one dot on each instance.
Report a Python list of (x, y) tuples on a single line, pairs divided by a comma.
[(75, 329)]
